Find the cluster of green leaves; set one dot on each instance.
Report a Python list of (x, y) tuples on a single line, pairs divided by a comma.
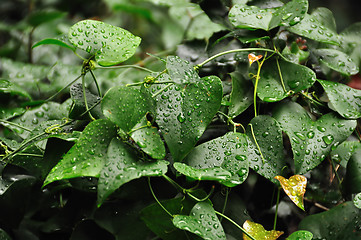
[(186, 122)]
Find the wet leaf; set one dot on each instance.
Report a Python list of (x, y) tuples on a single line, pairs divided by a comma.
[(126, 106), (339, 223), (300, 235), (343, 152), (123, 165), (202, 221), (357, 201), (352, 182), (184, 112), (110, 45), (343, 99), (268, 134), (53, 41), (241, 96), (7, 183), (181, 71), (87, 156), (258, 232), (4, 235), (313, 26), (226, 155), (311, 140), (295, 77), (295, 188), (7, 112), (148, 139), (13, 89)]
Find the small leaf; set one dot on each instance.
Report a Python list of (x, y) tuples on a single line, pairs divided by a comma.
[(343, 152), (53, 42), (300, 235), (202, 221), (111, 45), (343, 99), (295, 188), (258, 232), (357, 200), (13, 89), (253, 58), (7, 183), (123, 165)]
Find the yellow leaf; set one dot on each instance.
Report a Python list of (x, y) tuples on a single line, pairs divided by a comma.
[(258, 232), (252, 58), (295, 188)]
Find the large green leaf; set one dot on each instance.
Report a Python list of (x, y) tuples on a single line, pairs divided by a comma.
[(7, 182), (316, 26), (295, 77), (241, 96), (126, 106), (352, 182), (110, 45), (87, 156), (343, 152), (184, 112), (343, 99), (339, 223), (268, 136), (181, 71), (243, 16), (311, 140), (229, 152), (202, 221), (123, 165), (337, 60)]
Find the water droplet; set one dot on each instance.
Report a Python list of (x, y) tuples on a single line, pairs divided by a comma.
[(328, 139), (181, 117)]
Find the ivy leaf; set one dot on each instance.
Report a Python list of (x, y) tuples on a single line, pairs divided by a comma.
[(148, 139), (268, 135), (343, 152), (241, 96), (295, 188), (202, 221), (352, 182), (123, 165), (184, 112), (87, 156), (126, 106), (13, 89), (315, 27), (343, 99), (357, 201), (111, 45), (53, 41), (7, 183), (311, 140), (340, 222), (228, 152), (181, 71), (300, 235), (257, 231), (295, 77)]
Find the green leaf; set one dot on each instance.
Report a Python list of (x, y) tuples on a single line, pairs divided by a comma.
[(258, 232), (339, 223), (13, 89), (343, 152), (295, 77), (7, 183), (243, 16), (87, 156), (148, 139), (7, 112), (241, 96), (300, 235), (337, 61), (202, 221), (126, 106), (53, 41), (352, 182), (4, 235), (123, 165), (191, 110), (311, 140), (228, 152), (111, 45), (316, 28), (357, 201), (181, 71), (343, 99), (268, 135)]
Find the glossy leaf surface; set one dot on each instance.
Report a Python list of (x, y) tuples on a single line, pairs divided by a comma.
[(357, 201), (181, 71), (12, 89), (300, 235), (295, 188), (241, 96), (257, 231), (343, 152), (352, 182)]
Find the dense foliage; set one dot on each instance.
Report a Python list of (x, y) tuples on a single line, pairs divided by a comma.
[(193, 120)]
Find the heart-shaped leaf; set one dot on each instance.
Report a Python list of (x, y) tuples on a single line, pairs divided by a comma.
[(315, 27), (343, 99), (229, 152), (300, 235), (268, 136), (289, 14), (337, 60), (295, 188), (340, 222), (181, 71), (148, 139), (257, 231), (184, 112), (241, 96), (126, 106), (296, 77), (110, 45), (123, 165), (343, 152), (311, 140), (202, 221), (87, 156)]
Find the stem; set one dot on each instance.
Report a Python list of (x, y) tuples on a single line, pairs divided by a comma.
[(277, 204), (255, 141), (96, 83), (15, 125), (256, 84), (163, 89), (235, 125), (127, 66), (85, 101), (280, 74), (50, 98), (309, 98), (234, 223), (156, 199), (225, 204), (175, 184), (200, 199)]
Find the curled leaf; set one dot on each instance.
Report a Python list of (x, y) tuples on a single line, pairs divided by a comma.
[(258, 232), (252, 58), (295, 188)]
